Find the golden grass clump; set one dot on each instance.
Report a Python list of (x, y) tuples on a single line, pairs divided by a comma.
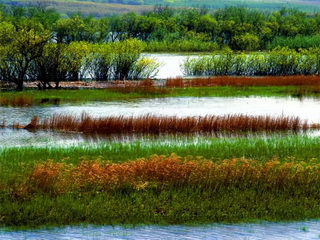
[(150, 124), (160, 172), (245, 81)]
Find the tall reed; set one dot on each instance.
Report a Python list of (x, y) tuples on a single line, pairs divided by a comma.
[(168, 124)]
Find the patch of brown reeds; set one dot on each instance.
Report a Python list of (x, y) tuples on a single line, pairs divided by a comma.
[(173, 171), (301, 80), (150, 124), (17, 101)]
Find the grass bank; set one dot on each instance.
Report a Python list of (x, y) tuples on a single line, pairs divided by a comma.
[(30, 98), (235, 180), (17, 161), (162, 190)]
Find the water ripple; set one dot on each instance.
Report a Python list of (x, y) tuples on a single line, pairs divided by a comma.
[(265, 231)]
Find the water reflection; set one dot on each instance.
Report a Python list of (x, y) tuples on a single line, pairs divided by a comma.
[(266, 230), (21, 137), (307, 109)]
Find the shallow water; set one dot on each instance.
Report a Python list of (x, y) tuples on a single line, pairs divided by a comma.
[(266, 230), (170, 64), (306, 109)]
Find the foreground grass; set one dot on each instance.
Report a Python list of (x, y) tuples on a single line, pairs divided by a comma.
[(29, 98), (18, 161), (188, 206), (162, 190), (74, 186)]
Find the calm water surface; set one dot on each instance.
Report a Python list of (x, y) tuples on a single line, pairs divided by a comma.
[(267, 231), (170, 64), (306, 109)]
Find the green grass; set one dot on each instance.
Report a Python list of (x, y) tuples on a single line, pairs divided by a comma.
[(230, 91), (18, 161), (73, 96), (186, 205), (87, 95)]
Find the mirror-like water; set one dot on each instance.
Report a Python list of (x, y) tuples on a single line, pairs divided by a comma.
[(272, 231)]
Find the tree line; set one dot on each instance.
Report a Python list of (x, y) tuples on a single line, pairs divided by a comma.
[(236, 27), (36, 43)]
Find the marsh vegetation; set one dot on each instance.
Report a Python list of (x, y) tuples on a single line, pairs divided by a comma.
[(200, 168)]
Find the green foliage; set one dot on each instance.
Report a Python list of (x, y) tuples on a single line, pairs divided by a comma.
[(182, 46), (246, 41), (120, 60), (199, 203), (19, 51), (26, 33), (280, 61), (125, 54), (296, 42)]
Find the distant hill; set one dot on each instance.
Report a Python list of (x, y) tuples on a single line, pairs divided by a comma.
[(107, 7)]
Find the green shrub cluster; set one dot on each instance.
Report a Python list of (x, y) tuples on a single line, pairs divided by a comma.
[(280, 61), (34, 58), (296, 42)]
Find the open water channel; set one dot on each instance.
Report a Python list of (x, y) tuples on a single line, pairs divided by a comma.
[(307, 109)]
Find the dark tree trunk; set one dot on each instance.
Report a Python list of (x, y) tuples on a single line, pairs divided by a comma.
[(19, 85)]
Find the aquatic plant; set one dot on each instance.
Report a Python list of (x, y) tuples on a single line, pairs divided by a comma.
[(151, 124)]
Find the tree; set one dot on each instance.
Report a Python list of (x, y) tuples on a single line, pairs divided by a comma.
[(125, 54), (20, 48), (246, 41), (52, 66)]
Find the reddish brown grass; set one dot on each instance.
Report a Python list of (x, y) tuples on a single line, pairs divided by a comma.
[(17, 101), (172, 171), (245, 81), (150, 124)]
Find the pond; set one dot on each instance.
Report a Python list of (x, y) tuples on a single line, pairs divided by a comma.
[(266, 230)]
